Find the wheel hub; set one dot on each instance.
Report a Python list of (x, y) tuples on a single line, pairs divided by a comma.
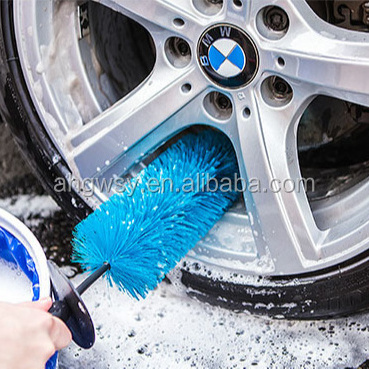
[(228, 56)]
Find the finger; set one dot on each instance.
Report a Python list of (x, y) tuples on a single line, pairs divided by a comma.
[(43, 304), (60, 334)]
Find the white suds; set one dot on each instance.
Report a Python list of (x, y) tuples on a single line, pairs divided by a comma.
[(176, 332), (30, 208), (14, 285)]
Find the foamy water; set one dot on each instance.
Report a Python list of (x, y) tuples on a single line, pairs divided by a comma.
[(167, 331), (14, 284)]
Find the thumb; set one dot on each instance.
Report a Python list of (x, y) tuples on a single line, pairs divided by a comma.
[(43, 304)]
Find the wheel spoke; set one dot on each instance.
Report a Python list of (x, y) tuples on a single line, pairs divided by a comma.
[(189, 115), (334, 60), (282, 220), (161, 14), (119, 129)]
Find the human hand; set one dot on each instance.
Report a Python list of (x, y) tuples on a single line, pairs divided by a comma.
[(29, 335)]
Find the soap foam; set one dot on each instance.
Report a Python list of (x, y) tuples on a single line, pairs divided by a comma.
[(14, 285)]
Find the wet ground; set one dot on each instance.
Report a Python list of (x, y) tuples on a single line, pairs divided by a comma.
[(169, 330)]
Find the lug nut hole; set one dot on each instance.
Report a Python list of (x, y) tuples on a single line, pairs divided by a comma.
[(208, 7), (276, 91), (276, 19), (272, 22), (178, 52), (222, 102), (218, 105), (280, 88)]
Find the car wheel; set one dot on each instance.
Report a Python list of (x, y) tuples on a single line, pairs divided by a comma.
[(95, 90)]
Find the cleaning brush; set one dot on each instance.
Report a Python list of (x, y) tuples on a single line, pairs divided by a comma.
[(137, 236)]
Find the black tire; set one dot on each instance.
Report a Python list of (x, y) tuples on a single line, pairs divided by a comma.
[(340, 290)]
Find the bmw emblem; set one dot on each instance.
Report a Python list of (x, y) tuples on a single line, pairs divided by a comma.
[(228, 56)]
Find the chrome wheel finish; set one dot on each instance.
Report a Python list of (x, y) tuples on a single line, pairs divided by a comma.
[(101, 136)]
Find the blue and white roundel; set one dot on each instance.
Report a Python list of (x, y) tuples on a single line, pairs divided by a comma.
[(227, 57)]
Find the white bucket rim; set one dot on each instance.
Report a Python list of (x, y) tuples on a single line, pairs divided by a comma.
[(20, 231)]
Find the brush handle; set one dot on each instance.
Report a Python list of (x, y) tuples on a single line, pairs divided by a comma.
[(61, 310), (90, 280)]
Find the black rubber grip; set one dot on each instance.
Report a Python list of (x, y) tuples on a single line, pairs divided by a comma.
[(60, 310)]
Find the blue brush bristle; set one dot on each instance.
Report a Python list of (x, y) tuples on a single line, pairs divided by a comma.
[(143, 235)]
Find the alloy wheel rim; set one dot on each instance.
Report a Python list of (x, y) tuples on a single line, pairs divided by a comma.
[(279, 234)]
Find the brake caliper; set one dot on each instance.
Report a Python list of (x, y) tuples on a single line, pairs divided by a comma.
[(351, 14)]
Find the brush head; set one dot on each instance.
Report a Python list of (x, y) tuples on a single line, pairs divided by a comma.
[(143, 233)]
